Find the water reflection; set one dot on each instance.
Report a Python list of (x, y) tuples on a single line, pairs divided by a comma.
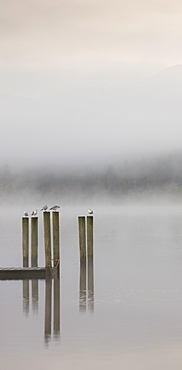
[(48, 305), (48, 309), (35, 295), (86, 271), (56, 308), (138, 301), (83, 292), (90, 285), (26, 296)]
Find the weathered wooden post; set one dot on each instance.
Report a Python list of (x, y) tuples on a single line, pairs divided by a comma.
[(56, 307), (34, 260), (90, 262), (90, 237), (25, 241), (82, 238), (34, 241), (47, 238), (55, 226)]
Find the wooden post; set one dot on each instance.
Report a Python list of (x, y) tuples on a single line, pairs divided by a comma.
[(82, 238), (25, 241), (47, 239), (55, 224), (90, 263), (90, 237), (34, 241), (34, 260)]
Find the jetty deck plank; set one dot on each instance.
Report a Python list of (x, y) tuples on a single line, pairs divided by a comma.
[(14, 273)]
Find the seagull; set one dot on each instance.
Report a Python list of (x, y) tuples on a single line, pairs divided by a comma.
[(26, 214), (34, 213), (54, 208), (90, 211), (44, 208)]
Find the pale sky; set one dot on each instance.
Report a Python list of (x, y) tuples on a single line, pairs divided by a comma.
[(65, 48), (49, 34)]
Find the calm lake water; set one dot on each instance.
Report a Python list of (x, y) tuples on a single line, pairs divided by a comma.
[(131, 318)]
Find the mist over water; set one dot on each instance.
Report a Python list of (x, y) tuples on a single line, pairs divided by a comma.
[(135, 311), (93, 123), (90, 117)]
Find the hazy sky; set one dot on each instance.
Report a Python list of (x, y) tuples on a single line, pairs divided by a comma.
[(64, 68), (59, 34)]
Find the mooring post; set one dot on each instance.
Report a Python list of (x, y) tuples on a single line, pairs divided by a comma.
[(34, 241), (90, 237), (82, 238), (90, 262), (25, 241), (34, 260), (55, 226), (47, 238)]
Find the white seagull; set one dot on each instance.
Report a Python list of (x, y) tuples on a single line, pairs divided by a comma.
[(54, 208), (90, 211), (25, 213), (44, 208), (34, 213)]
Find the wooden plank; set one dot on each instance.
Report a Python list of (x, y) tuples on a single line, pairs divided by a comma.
[(22, 273)]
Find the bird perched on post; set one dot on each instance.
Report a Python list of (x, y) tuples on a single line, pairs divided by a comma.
[(44, 208), (54, 208), (25, 213), (34, 213), (90, 211)]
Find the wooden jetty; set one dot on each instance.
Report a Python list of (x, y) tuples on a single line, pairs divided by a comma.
[(35, 272)]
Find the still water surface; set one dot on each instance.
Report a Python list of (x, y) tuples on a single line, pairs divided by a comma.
[(132, 316)]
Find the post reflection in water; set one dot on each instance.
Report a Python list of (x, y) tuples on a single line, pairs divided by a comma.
[(90, 283), (56, 308), (82, 298), (48, 305), (35, 295), (48, 309), (26, 296)]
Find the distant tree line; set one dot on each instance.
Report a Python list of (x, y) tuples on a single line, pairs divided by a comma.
[(125, 178)]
